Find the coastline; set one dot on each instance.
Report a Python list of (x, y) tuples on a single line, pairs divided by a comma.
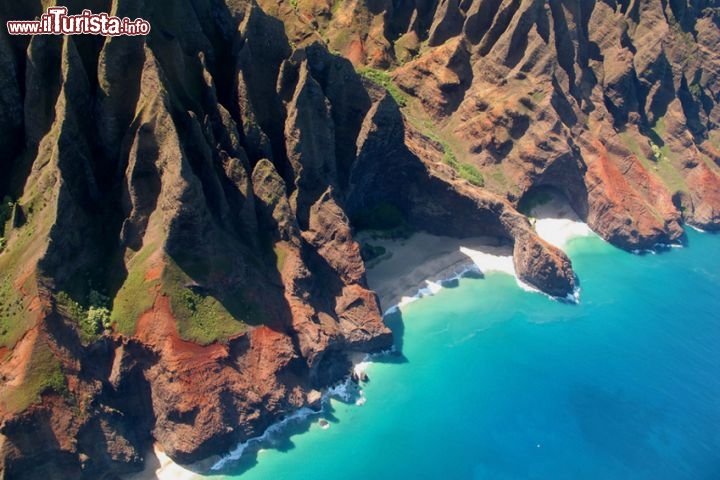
[(160, 466), (417, 266), (409, 269)]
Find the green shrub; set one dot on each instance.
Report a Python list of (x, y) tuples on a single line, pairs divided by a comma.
[(91, 320), (98, 318), (695, 89), (383, 79), (657, 151), (471, 174)]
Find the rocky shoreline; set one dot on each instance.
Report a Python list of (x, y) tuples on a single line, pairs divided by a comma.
[(179, 260)]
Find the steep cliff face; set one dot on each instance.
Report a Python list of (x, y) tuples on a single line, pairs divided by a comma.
[(178, 261), (179, 266), (613, 103)]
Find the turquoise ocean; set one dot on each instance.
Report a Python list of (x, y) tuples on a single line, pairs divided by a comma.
[(494, 382)]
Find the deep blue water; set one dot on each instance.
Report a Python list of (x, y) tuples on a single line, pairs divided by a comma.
[(499, 383)]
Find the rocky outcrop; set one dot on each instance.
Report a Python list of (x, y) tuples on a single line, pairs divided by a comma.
[(180, 265), (181, 270), (611, 103)]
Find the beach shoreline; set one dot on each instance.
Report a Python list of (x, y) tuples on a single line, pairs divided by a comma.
[(419, 264), (408, 270), (415, 267), (161, 467)]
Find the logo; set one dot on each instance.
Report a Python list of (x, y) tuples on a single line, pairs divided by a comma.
[(57, 22)]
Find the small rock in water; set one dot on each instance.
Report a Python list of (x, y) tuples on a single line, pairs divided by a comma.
[(324, 424)]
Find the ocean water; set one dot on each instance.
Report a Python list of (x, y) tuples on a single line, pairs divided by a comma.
[(495, 382)]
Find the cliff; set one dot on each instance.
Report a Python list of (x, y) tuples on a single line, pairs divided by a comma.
[(178, 260)]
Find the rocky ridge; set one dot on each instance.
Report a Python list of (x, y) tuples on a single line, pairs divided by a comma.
[(612, 103), (179, 263)]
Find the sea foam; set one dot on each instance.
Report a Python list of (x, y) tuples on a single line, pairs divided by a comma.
[(346, 391)]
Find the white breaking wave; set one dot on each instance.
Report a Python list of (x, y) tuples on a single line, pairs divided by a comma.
[(345, 391), (235, 454), (430, 288), (556, 231), (559, 231), (488, 262)]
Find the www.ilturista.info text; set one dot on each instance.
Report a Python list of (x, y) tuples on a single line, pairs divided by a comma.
[(57, 22)]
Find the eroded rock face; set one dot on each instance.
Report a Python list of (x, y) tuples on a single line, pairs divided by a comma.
[(206, 179), (206, 203), (611, 103)]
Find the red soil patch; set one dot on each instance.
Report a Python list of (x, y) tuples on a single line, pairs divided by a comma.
[(157, 327), (154, 273), (355, 52), (15, 367), (35, 304)]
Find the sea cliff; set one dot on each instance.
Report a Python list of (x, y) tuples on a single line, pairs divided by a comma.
[(179, 262)]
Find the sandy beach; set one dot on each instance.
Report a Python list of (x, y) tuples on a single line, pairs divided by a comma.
[(160, 466), (415, 267), (557, 223), (418, 264), (424, 260)]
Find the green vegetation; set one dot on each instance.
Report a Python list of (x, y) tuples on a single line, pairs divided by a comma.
[(657, 151), (538, 96), (661, 162), (664, 158), (280, 256), (464, 170), (470, 173), (630, 143), (43, 373), (98, 318), (12, 311), (92, 320), (201, 317), (136, 295), (383, 79), (695, 89)]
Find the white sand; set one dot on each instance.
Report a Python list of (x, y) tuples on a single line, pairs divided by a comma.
[(417, 265), (160, 466), (415, 268), (557, 223)]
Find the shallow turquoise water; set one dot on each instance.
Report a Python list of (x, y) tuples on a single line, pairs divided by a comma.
[(499, 383)]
